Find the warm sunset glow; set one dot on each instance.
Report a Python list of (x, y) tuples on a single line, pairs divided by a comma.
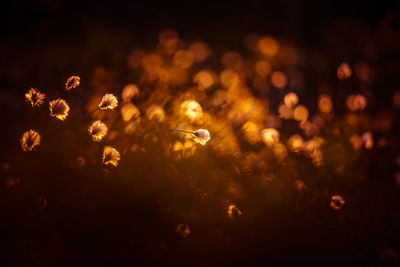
[(267, 136)]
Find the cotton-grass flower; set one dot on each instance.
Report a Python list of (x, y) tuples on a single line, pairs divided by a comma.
[(59, 109), (30, 140), (35, 97), (202, 136), (72, 82), (111, 156), (337, 202), (109, 101), (97, 130)]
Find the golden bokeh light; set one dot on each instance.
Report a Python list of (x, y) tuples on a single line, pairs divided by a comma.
[(129, 111), (205, 79), (285, 112), (270, 136), (130, 91), (279, 79), (263, 68), (200, 51), (291, 99), (155, 113), (268, 46), (183, 59), (356, 102), (192, 110), (295, 143), (301, 113), (367, 140), (251, 132), (356, 142), (232, 60), (325, 103), (229, 78), (343, 71)]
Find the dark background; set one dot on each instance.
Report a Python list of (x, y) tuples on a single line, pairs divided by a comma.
[(100, 222), (31, 30)]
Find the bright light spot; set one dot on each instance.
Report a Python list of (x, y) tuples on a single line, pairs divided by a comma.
[(291, 99), (268, 46)]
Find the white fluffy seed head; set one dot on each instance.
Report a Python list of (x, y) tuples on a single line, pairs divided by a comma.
[(59, 109), (202, 136), (35, 97), (109, 101), (72, 82), (97, 130), (111, 156), (30, 140)]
